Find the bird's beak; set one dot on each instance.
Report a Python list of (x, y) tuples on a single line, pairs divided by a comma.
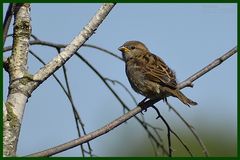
[(123, 49)]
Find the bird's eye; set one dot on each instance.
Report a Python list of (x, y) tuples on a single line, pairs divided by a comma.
[(132, 47)]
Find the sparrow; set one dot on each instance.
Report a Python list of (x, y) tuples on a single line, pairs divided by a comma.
[(149, 75)]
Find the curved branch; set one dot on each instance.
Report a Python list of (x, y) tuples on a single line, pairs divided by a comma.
[(116, 122), (123, 86), (58, 45), (103, 50)]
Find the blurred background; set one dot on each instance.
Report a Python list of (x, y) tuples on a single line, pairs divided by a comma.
[(187, 36)]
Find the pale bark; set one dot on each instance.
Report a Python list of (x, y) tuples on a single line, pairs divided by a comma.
[(17, 68)]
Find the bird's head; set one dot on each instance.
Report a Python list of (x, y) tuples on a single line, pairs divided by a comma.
[(132, 49)]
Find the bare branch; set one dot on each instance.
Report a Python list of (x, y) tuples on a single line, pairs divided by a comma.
[(36, 41), (75, 112), (103, 50), (107, 127), (32, 35), (127, 90), (7, 21), (215, 63)]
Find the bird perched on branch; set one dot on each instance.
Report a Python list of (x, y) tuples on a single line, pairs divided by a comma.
[(149, 75)]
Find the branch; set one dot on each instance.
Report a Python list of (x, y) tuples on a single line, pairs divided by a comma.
[(36, 41), (7, 21), (116, 122), (103, 50), (126, 89), (215, 63)]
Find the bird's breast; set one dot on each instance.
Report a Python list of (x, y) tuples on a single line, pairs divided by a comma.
[(139, 82)]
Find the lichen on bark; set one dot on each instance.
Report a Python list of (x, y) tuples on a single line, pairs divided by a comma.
[(11, 116), (11, 130)]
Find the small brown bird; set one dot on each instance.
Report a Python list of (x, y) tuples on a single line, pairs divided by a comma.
[(148, 74)]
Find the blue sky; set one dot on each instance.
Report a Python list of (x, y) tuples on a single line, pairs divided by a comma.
[(186, 36)]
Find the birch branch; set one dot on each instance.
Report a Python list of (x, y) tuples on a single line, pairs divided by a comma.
[(77, 42)]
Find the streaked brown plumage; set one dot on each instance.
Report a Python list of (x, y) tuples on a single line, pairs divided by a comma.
[(148, 74)]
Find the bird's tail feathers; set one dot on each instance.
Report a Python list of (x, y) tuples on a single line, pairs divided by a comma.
[(183, 98)]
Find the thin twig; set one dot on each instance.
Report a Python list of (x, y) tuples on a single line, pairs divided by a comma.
[(75, 112), (168, 130), (154, 147), (169, 135), (103, 50), (35, 38), (7, 21), (36, 41), (205, 151), (121, 84)]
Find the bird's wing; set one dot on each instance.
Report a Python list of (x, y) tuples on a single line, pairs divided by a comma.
[(157, 71)]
